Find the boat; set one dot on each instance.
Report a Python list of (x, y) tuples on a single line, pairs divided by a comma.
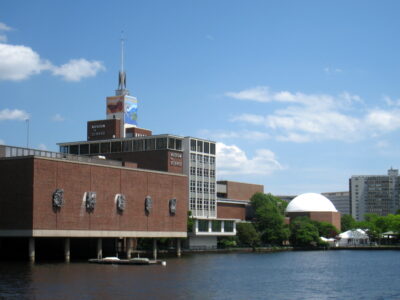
[(132, 261)]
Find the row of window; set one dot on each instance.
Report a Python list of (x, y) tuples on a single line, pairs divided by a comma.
[(202, 159), (124, 146), (204, 147), (202, 172), (216, 225), (206, 187)]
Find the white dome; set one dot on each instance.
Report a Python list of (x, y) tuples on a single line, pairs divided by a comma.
[(310, 202)]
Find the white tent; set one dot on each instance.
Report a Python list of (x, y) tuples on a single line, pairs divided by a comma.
[(354, 237)]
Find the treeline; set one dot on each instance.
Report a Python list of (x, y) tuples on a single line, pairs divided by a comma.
[(373, 224), (268, 227)]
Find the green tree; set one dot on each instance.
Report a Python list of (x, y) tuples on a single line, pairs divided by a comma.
[(247, 235), (269, 218), (304, 233), (347, 222), (325, 229)]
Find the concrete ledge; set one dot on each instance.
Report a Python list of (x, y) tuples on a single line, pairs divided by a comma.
[(91, 233)]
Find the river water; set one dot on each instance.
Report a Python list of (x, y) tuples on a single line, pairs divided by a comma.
[(340, 274)]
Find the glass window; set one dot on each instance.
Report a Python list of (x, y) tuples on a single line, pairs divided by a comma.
[(84, 149), (199, 146), (212, 160), (212, 187), (161, 143), (150, 144), (116, 147), (205, 173), (206, 159), (171, 143), (199, 186), (216, 226), (64, 149), (212, 148), (206, 187), (127, 146), (228, 226), (192, 171), (193, 157), (199, 172), (199, 158), (137, 145), (206, 147), (192, 185), (192, 145), (212, 173), (94, 148), (203, 225), (178, 145), (74, 149), (105, 148)]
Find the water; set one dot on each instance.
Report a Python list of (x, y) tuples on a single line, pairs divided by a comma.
[(286, 275)]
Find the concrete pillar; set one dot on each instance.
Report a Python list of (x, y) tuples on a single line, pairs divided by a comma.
[(129, 248), (155, 249), (178, 248), (67, 251), (32, 249), (99, 248)]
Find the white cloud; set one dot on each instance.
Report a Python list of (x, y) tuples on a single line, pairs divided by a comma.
[(20, 62), (4, 27), (2, 142), (242, 134), (313, 117), (76, 69), (58, 118), (13, 114), (329, 70), (232, 160), (3, 38), (42, 147)]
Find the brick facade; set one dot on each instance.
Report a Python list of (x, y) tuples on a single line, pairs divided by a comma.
[(241, 191), (27, 186), (231, 211), (103, 129)]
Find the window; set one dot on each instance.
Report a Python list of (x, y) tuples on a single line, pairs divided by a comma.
[(206, 187), (192, 185), (203, 225), (199, 146), (192, 145), (192, 203), (216, 226), (212, 148), (212, 173), (127, 146), (199, 158), (199, 186), (199, 172), (192, 171), (116, 147), (205, 159), (94, 148), (212, 187), (206, 147), (105, 148), (193, 157), (150, 144), (161, 143), (171, 143), (206, 173), (212, 160), (228, 226), (178, 144), (64, 149), (137, 145), (84, 149), (199, 204), (74, 149)]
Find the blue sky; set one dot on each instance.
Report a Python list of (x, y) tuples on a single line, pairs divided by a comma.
[(300, 95)]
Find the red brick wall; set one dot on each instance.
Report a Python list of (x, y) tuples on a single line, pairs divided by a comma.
[(242, 191), (16, 190), (137, 132), (330, 217), (24, 202), (231, 211)]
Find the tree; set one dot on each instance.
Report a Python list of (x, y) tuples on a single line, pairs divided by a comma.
[(325, 229), (247, 234), (347, 222), (269, 218), (304, 233)]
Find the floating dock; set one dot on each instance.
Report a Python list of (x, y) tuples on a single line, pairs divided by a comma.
[(132, 261)]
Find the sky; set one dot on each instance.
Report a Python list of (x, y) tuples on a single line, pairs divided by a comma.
[(299, 95)]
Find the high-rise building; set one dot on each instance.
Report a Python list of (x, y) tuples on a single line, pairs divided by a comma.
[(379, 194), (341, 200)]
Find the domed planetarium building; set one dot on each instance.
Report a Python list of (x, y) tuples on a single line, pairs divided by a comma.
[(316, 207)]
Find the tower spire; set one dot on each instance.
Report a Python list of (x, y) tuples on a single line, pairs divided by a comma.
[(122, 75)]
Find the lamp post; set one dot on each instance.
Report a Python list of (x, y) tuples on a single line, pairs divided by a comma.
[(27, 132)]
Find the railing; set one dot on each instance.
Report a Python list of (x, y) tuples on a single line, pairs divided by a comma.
[(11, 151)]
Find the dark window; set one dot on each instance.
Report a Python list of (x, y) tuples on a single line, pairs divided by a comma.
[(212, 146), (74, 149), (138, 145), (216, 226), (94, 148), (64, 149), (127, 146), (178, 145), (84, 149), (116, 147), (199, 146), (192, 145), (150, 144), (105, 148), (206, 147), (203, 225), (161, 143), (171, 143), (228, 226)]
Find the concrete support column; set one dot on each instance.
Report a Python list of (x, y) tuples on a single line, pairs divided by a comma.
[(32, 249), (209, 226), (99, 248), (129, 248), (67, 251), (154, 249), (178, 248)]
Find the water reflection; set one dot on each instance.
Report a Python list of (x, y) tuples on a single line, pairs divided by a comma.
[(291, 275)]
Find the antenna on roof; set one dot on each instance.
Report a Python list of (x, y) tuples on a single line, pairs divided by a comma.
[(122, 75)]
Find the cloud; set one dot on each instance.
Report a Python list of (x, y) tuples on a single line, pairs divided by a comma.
[(13, 114), (2, 142), (330, 71), (42, 147), (315, 117), (76, 69), (58, 118), (232, 160), (20, 62), (242, 134)]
